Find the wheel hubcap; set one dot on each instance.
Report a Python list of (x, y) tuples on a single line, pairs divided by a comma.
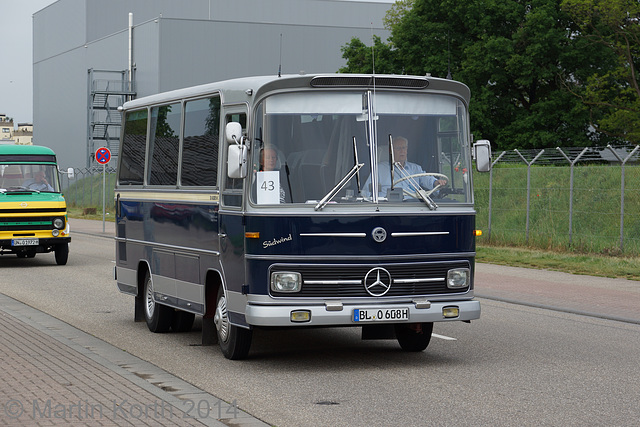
[(150, 303), (221, 319)]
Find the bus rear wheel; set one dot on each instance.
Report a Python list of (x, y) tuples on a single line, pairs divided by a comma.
[(414, 336), (234, 341), (157, 316)]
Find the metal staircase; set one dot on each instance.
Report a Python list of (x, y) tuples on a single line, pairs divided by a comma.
[(108, 90)]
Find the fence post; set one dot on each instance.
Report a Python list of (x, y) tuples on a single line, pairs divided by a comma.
[(623, 162), (528, 186), (491, 191), (571, 163)]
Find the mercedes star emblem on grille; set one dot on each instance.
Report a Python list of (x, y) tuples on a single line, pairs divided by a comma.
[(377, 282)]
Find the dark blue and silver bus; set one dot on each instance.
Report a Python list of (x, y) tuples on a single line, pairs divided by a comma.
[(299, 201)]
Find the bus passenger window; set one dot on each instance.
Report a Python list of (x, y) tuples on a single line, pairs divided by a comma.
[(133, 148), (201, 139), (163, 145)]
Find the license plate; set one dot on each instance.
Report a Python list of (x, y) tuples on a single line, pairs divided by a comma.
[(380, 314), (25, 242)]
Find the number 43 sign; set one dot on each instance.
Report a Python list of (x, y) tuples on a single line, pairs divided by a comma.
[(268, 187)]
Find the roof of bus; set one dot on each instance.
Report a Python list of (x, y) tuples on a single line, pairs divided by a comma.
[(25, 149), (241, 89)]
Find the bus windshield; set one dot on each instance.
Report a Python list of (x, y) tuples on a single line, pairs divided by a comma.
[(35, 178), (411, 147)]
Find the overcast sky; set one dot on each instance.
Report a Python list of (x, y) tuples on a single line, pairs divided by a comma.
[(16, 71)]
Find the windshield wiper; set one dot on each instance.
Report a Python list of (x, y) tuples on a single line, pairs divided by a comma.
[(331, 194), (20, 188), (354, 171)]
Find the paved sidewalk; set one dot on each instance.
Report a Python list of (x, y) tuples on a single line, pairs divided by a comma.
[(55, 374)]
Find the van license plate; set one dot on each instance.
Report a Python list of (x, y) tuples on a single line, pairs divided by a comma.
[(380, 314), (25, 242)]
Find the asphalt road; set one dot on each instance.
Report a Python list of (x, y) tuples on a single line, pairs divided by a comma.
[(516, 365)]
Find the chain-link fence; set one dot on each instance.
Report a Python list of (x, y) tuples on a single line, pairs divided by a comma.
[(582, 199), (85, 189)]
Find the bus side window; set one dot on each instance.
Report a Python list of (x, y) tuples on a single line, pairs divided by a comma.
[(133, 148), (163, 145), (201, 142)]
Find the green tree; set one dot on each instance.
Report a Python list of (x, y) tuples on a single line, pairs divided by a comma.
[(362, 58), (612, 92), (517, 58)]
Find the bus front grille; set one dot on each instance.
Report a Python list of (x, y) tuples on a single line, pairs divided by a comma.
[(346, 281)]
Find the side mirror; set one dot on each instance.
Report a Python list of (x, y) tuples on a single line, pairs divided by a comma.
[(233, 133), (237, 153), (237, 161), (482, 155), (71, 173)]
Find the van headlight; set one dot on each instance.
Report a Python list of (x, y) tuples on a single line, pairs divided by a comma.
[(58, 223), (458, 278), (286, 281)]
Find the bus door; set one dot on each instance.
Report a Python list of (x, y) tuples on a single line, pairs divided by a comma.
[(231, 225)]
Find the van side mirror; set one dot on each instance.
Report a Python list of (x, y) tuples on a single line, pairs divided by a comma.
[(237, 153), (482, 155), (71, 173)]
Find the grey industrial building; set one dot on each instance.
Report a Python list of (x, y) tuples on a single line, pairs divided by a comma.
[(88, 59)]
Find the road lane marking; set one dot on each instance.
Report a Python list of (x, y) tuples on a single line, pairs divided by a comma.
[(444, 337)]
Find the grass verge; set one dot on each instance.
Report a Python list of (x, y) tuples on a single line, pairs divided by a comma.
[(587, 264)]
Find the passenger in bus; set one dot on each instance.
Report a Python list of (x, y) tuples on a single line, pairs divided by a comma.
[(400, 154), (269, 162), (39, 182)]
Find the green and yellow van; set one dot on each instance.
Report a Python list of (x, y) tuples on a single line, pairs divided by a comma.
[(33, 212)]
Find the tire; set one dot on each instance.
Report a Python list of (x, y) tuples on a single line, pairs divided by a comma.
[(182, 321), (411, 339), (157, 316), (62, 253), (234, 342)]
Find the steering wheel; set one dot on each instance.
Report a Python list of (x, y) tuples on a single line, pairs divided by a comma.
[(417, 175)]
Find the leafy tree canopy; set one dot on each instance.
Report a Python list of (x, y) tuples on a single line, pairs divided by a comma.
[(527, 65)]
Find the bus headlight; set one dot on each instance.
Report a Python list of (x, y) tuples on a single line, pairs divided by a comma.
[(458, 278), (58, 223), (286, 281)]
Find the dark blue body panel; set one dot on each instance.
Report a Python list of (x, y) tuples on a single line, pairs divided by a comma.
[(308, 240)]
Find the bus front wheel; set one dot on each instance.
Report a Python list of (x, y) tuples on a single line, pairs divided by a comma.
[(158, 317), (234, 341), (414, 336)]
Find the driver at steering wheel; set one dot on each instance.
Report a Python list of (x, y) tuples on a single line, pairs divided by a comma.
[(400, 151)]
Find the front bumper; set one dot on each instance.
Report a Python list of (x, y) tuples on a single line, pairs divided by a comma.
[(329, 314)]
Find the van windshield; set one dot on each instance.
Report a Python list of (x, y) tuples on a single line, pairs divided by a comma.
[(409, 146), (28, 177)]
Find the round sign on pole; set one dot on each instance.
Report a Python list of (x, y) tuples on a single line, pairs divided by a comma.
[(103, 155)]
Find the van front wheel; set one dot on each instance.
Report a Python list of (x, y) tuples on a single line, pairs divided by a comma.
[(234, 341), (62, 253)]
